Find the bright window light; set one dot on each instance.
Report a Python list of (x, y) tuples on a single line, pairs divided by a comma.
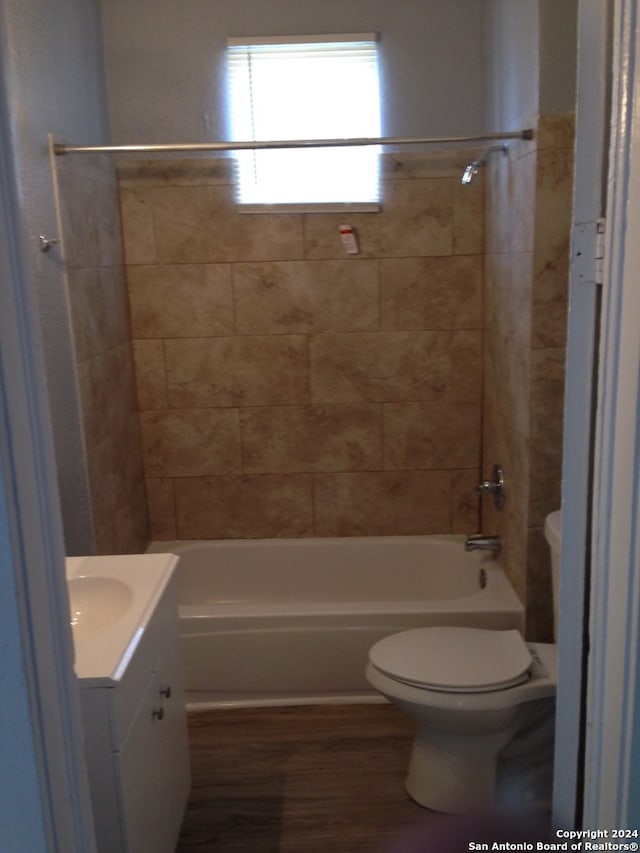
[(306, 87)]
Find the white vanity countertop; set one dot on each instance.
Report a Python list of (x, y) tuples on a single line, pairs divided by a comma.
[(112, 599)]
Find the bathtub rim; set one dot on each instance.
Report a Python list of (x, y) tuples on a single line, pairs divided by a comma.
[(496, 581), (168, 545)]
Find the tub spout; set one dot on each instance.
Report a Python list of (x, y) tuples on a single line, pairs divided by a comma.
[(480, 542)]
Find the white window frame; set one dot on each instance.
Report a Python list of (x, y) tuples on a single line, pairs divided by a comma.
[(263, 176)]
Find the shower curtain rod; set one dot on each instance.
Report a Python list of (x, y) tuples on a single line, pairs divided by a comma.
[(60, 148)]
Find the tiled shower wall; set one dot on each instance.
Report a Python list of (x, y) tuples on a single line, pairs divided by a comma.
[(527, 276), (287, 389), (99, 318)]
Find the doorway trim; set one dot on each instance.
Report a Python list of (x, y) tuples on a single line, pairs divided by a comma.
[(613, 686), (47, 809), (582, 343)]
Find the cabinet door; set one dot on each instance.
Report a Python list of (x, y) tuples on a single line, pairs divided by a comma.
[(154, 762)]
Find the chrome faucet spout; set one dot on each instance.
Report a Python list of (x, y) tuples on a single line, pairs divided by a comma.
[(480, 542)]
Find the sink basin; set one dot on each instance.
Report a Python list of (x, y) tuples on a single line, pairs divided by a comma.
[(112, 599), (96, 604)]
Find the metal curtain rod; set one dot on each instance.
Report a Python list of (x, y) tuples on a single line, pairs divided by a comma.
[(60, 148)]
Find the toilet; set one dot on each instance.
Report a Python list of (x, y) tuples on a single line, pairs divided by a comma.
[(475, 693)]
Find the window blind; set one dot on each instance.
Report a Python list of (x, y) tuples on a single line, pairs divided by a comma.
[(305, 87)]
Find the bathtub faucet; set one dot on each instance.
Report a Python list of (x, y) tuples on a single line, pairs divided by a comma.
[(480, 542)]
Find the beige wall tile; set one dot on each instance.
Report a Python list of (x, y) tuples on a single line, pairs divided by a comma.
[(162, 512), (190, 442), (550, 299), (468, 217), (506, 442), (116, 481), (192, 171), (511, 525), (201, 225), (431, 435), (410, 165), (99, 309), (508, 296), (107, 392), (246, 507), (247, 371), (394, 366), (552, 248), (115, 470), (310, 323), (556, 130), (124, 532), (547, 405), (416, 219), (321, 235), (508, 395), (539, 609), (382, 503), (466, 376), (506, 411), (311, 438), (180, 301), (525, 313), (553, 199), (151, 386), (507, 345), (465, 504), (306, 296), (90, 221), (431, 293), (510, 225), (137, 226), (99, 312)]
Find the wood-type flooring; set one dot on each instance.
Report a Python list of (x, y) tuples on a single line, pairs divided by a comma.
[(307, 779)]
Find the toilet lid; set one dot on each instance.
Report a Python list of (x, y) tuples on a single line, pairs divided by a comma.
[(454, 660)]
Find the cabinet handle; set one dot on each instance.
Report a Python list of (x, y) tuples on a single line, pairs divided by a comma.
[(158, 713), (166, 691)]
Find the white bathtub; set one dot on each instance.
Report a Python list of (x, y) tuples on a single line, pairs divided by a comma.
[(283, 621)]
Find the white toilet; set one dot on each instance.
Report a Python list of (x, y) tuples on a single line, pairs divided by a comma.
[(473, 691)]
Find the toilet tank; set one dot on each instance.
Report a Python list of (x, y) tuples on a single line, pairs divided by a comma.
[(552, 532)]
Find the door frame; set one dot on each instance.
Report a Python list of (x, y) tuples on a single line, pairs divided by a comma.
[(597, 782), (46, 805), (589, 202), (613, 676)]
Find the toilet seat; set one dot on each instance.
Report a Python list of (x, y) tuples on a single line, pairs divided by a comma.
[(454, 660)]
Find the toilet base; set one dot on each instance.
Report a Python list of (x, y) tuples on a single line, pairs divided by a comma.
[(455, 773)]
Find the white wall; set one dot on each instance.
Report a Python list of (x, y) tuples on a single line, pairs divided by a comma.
[(165, 61), (21, 809), (530, 60), (558, 35), (512, 63)]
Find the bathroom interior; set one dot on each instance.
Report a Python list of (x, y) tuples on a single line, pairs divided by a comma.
[(216, 377)]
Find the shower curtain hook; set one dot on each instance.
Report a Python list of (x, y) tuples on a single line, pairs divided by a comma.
[(46, 242)]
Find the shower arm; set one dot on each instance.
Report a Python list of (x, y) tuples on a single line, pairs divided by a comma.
[(256, 145), (493, 148), (474, 168)]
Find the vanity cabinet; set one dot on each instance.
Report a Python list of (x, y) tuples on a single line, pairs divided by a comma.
[(136, 739)]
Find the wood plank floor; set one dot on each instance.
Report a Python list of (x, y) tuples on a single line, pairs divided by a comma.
[(308, 779)]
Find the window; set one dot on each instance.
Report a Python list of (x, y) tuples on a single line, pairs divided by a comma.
[(306, 87)]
